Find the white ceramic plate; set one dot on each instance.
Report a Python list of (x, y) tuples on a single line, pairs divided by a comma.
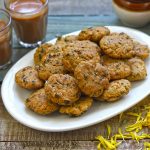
[(13, 97)]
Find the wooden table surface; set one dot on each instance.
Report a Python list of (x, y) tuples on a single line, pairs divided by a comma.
[(14, 136)]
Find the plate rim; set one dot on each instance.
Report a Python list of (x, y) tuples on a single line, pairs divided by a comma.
[(72, 128)]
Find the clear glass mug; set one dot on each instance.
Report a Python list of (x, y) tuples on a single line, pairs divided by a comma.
[(29, 18), (5, 39)]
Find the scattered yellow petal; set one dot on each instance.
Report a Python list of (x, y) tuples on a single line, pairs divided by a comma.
[(147, 120), (146, 107), (120, 117), (99, 146), (117, 144), (139, 117), (146, 145), (120, 132), (131, 132), (101, 141), (135, 127), (106, 143), (133, 114), (134, 136), (108, 130)]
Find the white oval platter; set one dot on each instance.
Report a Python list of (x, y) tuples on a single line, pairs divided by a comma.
[(14, 97)]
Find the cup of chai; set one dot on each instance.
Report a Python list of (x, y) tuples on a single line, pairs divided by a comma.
[(5, 39), (29, 19)]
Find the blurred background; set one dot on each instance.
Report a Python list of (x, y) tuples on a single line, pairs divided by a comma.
[(78, 7)]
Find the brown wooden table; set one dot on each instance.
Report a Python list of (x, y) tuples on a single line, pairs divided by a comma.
[(14, 136)]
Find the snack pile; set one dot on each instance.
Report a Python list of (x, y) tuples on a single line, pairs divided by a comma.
[(95, 65)]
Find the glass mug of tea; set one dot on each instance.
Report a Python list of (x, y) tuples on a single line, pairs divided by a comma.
[(5, 39), (29, 18)]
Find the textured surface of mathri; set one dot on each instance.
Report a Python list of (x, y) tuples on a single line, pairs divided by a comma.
[(76, 52), (93, 34), (116, 90), (40, 52), (92, 78), (138, 69), (83, 44), (78, 108), (117, 45), (39, 103), (118, 69), (63, 41), (141, 51), (51, 64), (28, 78), (62, 89)]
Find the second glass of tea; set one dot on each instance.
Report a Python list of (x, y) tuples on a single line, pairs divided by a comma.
[(29, 18)]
